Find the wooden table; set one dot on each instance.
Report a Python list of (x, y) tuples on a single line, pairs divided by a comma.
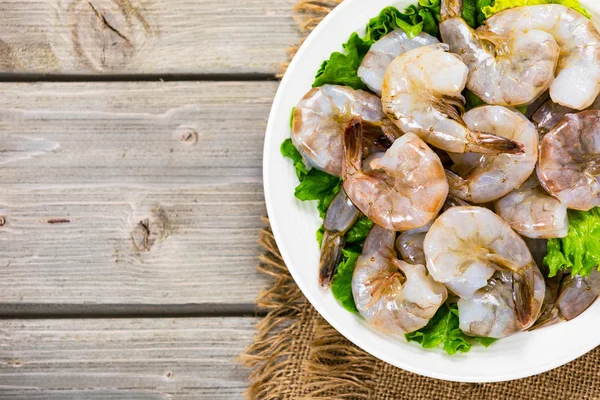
[(131, 196)]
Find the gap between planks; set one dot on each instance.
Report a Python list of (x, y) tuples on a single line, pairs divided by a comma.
[(97, 311), (35, 77)]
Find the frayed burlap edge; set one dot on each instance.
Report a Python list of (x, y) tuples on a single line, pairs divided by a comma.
[(308, 14), (296, 354)]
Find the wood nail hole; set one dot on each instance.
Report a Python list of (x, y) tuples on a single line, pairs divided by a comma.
[(187, 135)]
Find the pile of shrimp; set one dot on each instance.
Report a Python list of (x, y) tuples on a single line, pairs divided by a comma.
[(462, 202)]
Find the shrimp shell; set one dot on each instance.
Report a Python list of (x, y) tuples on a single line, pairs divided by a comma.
[(485, 178), (532, 212), (321, 117), (405, 191), (382, 53), (577, 82), (569, 166), (393, 296)]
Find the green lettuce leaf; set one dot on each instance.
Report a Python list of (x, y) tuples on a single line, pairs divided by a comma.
[(579, 252), (472, 101), (443, 331), (485, 341), (320, 186), (499, 5), (342, 68), (314, 184), (341, 286), (292, 117), (358, 233), (289, 150)]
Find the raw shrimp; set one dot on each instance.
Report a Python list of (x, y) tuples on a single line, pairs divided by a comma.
[(383, 52), (340, 217), (492, 312), (421, 89), (510, 69), (549, 114), (321, 117), (484, 178), (575, 295), (569, 166), (577, 82), (410, 245), (393, 296), (406, 189), (532, 212), (483, 261)]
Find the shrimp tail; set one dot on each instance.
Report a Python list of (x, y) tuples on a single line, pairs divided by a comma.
[(331, 256), (522, 299), (459, 187), (451, 9), (352, 148), (452, 201), (390, 130), (447, 107), (522, 290), (487, 143)]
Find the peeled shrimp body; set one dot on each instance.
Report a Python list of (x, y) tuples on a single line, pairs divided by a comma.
[(340, 217), (464, 248), (405, 190), (569, 166), (410, 243), (510, 68), (393, 296), (485, 178), (577, 82), (492, 312), (532, 212), (320, 119), (420, 90), (549, 114), (383, 52)]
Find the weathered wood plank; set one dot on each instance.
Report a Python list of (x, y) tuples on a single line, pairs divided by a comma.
[(145, 36), (110, 359), (131, 193)]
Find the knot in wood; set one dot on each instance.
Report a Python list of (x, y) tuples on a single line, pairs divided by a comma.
[(106, 34), (148, 231)]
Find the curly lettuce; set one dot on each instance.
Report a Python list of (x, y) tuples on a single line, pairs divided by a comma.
[(341, 286), (499, 5), (342, 68), (443, 331), (578, 252), (314, 184)]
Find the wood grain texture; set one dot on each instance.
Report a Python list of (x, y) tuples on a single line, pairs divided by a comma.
[(145, 36), (131, 193), (110, 359)]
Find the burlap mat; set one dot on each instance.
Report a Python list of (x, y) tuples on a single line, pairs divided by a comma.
[(297, 355)]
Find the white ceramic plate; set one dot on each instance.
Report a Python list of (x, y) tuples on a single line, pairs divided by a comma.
[(294, 225)]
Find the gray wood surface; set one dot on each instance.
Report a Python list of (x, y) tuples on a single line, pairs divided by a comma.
[(145, 36), (132, 198), (133, 359), (131, 192)]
